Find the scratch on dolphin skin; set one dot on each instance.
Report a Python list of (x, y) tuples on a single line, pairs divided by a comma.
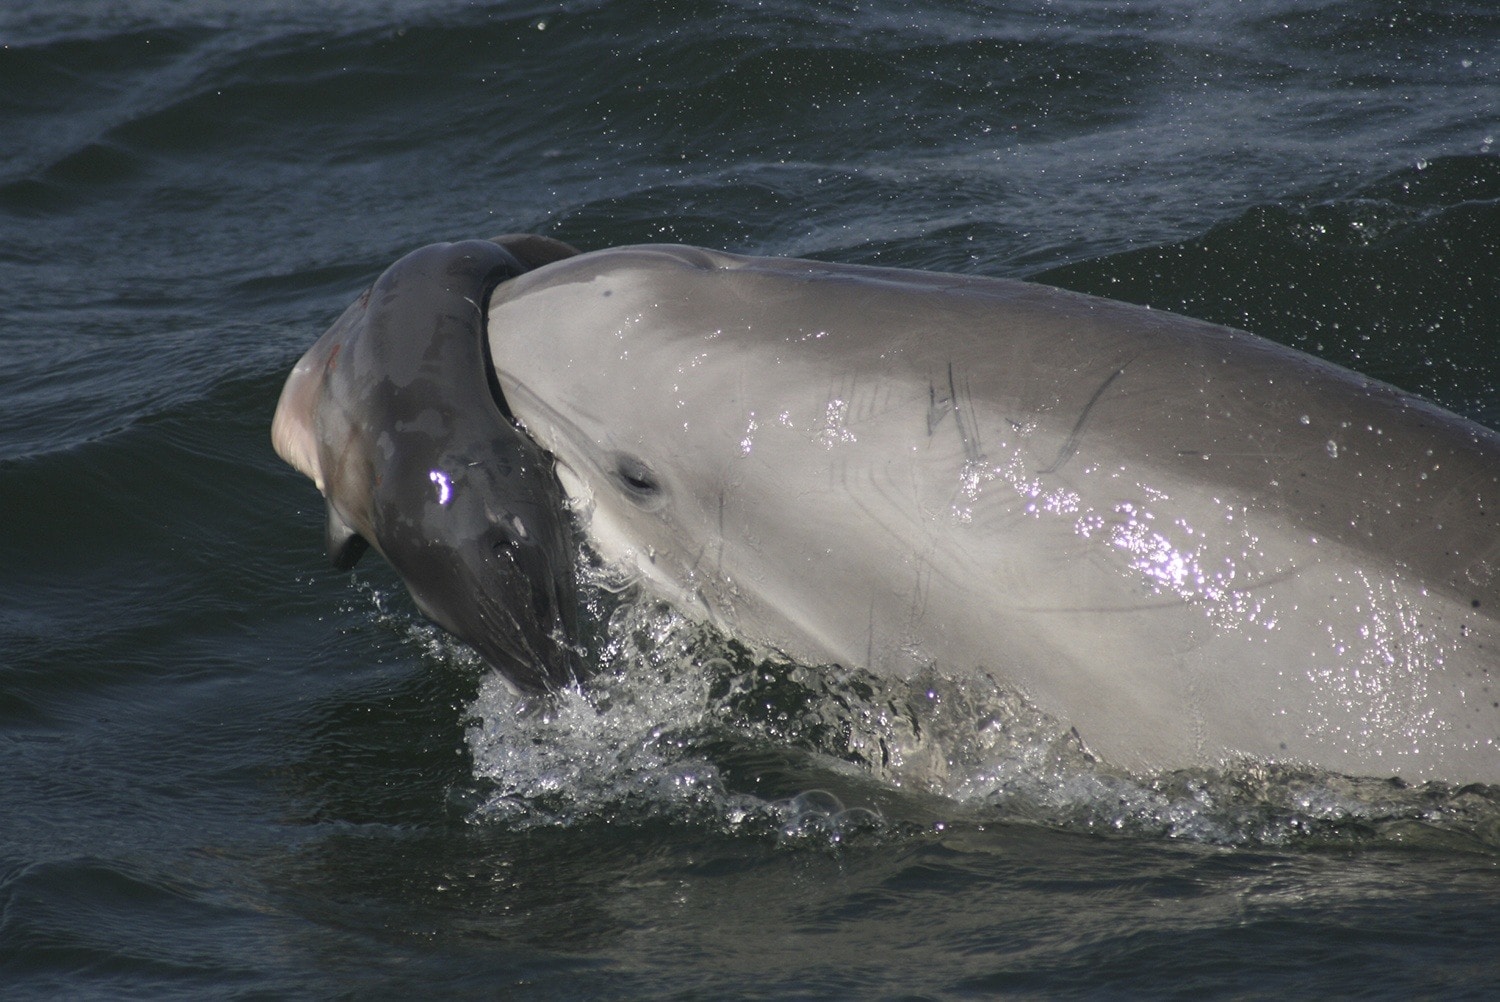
[(940, 406), (715, 544), (1070, 446), (936, 409), (719, 563), (921, 587)]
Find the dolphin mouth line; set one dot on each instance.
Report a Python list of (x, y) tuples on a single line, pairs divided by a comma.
[(491, 372), (558, 429)]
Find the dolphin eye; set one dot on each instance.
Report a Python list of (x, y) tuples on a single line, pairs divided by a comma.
[(637, 480)]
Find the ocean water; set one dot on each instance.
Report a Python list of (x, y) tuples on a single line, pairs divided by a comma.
[(227, 771)]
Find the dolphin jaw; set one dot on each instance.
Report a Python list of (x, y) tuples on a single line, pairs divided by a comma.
[(292, 427)]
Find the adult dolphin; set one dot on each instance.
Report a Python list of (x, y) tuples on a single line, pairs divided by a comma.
[(1187, 543), (394, 415)]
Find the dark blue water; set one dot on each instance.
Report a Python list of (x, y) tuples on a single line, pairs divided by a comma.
[(228, 772)]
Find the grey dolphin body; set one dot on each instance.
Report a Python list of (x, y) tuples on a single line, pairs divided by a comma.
[(394, 416), (1185, 542)]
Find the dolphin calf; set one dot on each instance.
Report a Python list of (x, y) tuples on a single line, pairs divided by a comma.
[(394, 415), (1185, 542)]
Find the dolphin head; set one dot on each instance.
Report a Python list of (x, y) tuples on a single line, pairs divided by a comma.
[(395, 415), (682, 438)]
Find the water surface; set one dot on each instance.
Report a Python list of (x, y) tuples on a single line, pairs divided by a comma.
[(227, 771)]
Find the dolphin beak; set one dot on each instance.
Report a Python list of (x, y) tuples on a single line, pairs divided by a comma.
[(508, 589), (540, 598)]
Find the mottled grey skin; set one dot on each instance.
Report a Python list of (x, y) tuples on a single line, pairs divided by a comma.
[(395, 416)]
